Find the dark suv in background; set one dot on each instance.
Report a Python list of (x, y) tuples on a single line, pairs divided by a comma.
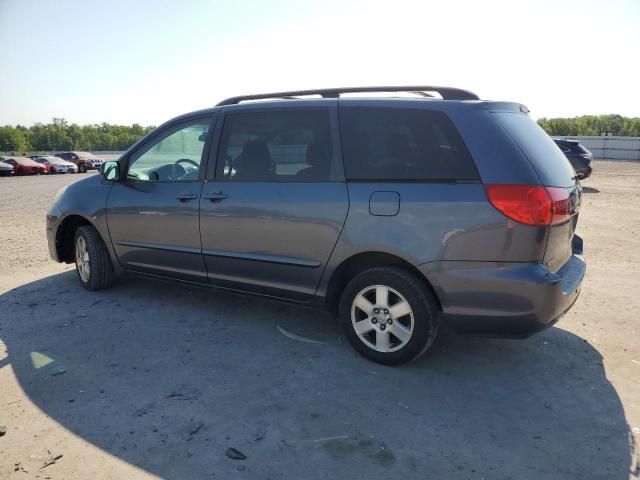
[(578, 155), (84, 160), (398, 214)]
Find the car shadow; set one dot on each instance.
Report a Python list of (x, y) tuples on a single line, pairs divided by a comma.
[(168, 377), (590, 190)]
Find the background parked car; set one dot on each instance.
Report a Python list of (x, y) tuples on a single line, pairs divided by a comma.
[(6, 169), (579, 156), (57, 165), (84, 160), (25, 166)]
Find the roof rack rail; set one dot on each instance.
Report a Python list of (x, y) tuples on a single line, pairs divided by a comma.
[(447, 93)]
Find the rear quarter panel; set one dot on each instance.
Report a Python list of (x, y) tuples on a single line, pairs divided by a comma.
[(448, 221), (435, 222)]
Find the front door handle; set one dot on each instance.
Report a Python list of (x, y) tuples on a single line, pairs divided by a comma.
[(186, 196), (215, 196)]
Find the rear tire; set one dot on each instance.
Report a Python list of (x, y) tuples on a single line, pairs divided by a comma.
[(393, 327), (82, 168), (93, 263)]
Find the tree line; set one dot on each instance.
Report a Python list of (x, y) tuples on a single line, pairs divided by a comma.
[(592, 125), (61, 135)]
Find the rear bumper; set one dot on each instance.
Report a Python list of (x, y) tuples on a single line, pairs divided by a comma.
[(586, 173), (581, 166), (505, 299)]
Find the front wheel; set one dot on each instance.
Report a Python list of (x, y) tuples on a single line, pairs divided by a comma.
[(93, 263), (389, 315)]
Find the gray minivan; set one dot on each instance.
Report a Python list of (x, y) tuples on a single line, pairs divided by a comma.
[(399, 214)]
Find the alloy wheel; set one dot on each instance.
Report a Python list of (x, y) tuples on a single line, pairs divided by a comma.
[(382, 318), (82, 259)]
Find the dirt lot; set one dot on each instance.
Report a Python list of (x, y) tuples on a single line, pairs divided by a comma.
[(155, 379)]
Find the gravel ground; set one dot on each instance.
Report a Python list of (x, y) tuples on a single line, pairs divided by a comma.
[(151, 379)]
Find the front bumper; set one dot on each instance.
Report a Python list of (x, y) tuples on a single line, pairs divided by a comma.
[(53, 219), (505, 299)]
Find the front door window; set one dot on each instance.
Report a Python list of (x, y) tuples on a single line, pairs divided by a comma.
[(174, 157)]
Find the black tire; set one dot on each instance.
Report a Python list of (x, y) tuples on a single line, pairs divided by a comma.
[(82, 168), (101, 273), (426, 319)]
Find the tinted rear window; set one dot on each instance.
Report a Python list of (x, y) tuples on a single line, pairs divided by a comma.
[(571, 146), (581, 149), (278, 146), (403, 144), (551, 165)]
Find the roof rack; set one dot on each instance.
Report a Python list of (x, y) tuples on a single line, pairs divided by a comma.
[(447, 93)]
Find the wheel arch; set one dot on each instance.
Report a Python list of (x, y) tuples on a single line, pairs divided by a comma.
[(355, 264), (65, 233)]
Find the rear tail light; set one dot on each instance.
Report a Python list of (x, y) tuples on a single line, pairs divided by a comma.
[(561, 205), (531, 204)]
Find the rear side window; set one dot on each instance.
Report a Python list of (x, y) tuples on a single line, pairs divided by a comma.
[(403, 144), (276, 146), (551, 165)]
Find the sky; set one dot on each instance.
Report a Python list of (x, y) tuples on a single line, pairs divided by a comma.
[(148, 61)]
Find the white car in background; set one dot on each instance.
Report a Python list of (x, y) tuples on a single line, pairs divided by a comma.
[(57, 165)]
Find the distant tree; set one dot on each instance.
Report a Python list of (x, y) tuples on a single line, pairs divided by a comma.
[(14, 139), (60, 135), (591, 125)]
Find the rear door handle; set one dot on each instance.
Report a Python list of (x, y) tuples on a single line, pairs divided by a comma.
[(215, 196), (187, 196)]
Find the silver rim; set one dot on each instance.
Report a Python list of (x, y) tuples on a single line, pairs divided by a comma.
[(82, 259), (382, 318)]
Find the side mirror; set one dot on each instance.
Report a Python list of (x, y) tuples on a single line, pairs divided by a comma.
[(110, 171)]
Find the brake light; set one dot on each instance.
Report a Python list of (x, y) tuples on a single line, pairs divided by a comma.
[(528, 204), (561, 205), (531, 204)]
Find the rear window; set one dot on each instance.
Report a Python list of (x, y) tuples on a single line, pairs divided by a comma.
[(571, 146), (581, 149), (403, 144), (551, 165)]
